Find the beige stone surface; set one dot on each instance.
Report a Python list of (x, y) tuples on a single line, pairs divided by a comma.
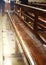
[(8, 44)]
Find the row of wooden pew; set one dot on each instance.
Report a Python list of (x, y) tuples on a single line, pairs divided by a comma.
[(33, 49), (29, 24), (35, 18)]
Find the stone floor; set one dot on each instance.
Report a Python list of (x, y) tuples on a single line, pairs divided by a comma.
[(8, 44)]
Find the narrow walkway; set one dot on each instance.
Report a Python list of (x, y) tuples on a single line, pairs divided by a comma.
[(8, 49)]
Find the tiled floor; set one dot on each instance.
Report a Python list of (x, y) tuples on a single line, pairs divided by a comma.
[(8, 55)]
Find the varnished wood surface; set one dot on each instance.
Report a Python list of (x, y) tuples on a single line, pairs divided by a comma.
[(32, 9), (36, 18), (36, 49)]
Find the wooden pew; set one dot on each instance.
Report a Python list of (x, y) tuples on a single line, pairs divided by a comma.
[(32, 49), (36, 18)]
